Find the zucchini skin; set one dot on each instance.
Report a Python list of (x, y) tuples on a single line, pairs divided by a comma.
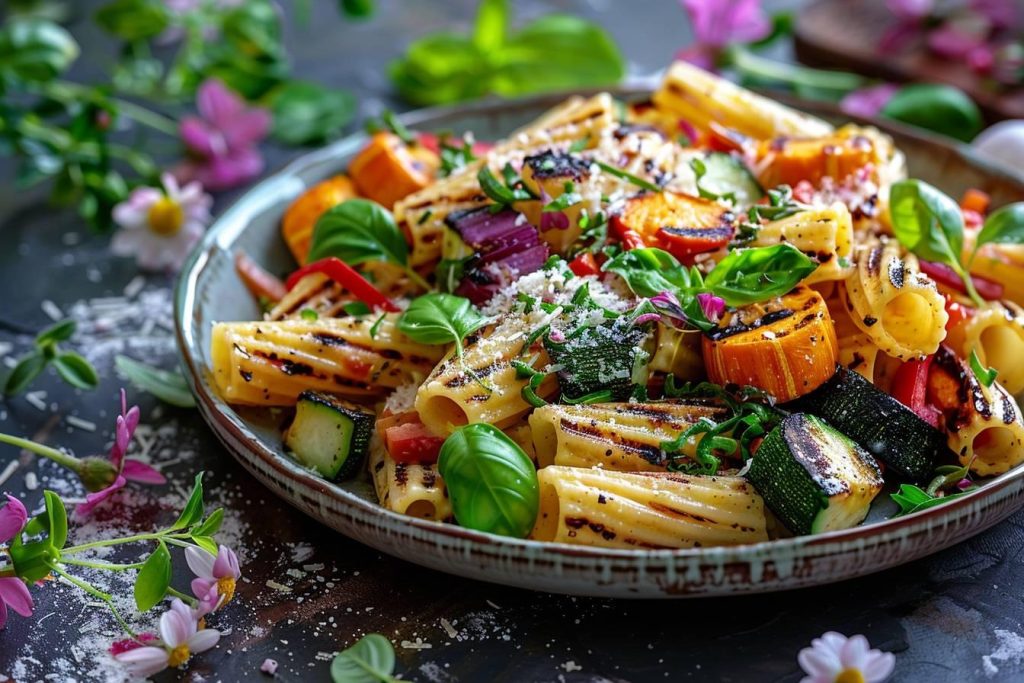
[(596, 359), (362, 429), (883, 426)]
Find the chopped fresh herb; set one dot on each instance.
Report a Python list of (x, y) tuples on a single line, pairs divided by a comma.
[(529, 390), (985, 375), (355, 308), (389, 122), (602, 396), (311, 315), (504, 194), (563, 201), (912, 498), (627, 176), (780, 205), (455, 157), (424, 217), (375, 328), (580, 145)]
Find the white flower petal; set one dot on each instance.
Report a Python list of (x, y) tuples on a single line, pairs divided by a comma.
[(853, 652), (819, 661), (143, 662), (878, 666), (170, 184), (832, 640), (200, 561), (203, 640)]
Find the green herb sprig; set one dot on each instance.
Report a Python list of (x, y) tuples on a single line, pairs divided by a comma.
[(370, 660), (70, 366)]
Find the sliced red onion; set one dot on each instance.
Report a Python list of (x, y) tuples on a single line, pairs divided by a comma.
[(646, 318), (713, 306), (553, 220), (478, 227)]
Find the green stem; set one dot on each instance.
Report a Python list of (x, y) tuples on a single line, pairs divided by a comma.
[(969, 284), (109, 566), (59, 457), (96, 593), (174, 592), (137, 538), (750, 64), (66, 91)]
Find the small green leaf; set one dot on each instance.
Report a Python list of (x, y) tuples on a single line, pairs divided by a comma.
[(628, 177), (169, 387), (75, 370), (356, 308), (748, 276), (1003, 226), (35, 49), (27, 369), (153, 579), (440, 319), (912, 498), (307, 113), (370, 660), (206, 543), (58, 332), (133, 20), (193, 510), (211, 524), (940, 108), (491, 25), (926, 221), (984, 375), (357, 231), (650, 271), (57, 519), (311, 315), (358, 9)]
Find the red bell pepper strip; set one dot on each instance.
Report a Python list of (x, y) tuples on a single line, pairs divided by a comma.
[(433, 143), (957, 313), (411, 442), (257, 280), (346, 276), (584, 264), (944, 275), (910, 387)]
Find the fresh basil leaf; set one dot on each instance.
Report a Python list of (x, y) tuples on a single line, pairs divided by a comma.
[(306, 113), (354, 308), (651, 271), (912, 498), (984, 375), (24, 373), (440, 319), (440, 69), (926, 221), (940, 108), (1003, 226), (57, 521), (35, 49), (133, 20), (357, 231), (168, 386), (370, 660), (358, 9), (153, 579), (491, 25), (747, 276), (492, 482), (75, 370), (58, 332), (193, 510)]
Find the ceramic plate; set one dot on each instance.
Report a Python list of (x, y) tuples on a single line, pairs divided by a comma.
[(209, 291)]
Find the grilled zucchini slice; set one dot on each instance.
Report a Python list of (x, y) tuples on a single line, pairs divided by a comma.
[(813, 477), (330, 435)]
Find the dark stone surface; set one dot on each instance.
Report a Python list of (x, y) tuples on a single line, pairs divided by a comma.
[(953, 617)]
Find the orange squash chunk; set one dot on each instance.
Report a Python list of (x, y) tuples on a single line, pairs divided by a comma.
[(790, 160), (387, 169), (301, 217), (679, 223)]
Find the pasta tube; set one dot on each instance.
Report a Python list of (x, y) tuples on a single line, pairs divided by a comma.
[(826, 235), (412, 489), (646, 509), (996, 334)]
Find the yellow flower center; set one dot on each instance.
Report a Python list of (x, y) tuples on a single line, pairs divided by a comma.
[(850, 676), (178, 656), (226, 588), (165, 217)]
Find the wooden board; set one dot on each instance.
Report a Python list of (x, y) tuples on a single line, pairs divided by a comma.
[(844, 34)]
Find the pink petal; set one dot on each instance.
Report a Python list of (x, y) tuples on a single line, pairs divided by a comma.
[(131, 419), (200, 138), (818, 662), (203, 640), (175, 628), (719, 22), (224, 173), (868, 102), (134, 470), (879, 666), (958, 36), (93, 500), (226, 563), (218, 104), (143, 662), (13, 517), (248, 129), (200, 561), (698, 55), (1002, 13), (202, 587), (911, 9), (14, 592)]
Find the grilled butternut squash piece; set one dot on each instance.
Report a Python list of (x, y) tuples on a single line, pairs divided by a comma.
[(790, 160), (302, 215), (678, 223), (787, 347), (387, 169)]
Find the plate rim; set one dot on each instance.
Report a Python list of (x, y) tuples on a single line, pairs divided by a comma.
[(217, 413)]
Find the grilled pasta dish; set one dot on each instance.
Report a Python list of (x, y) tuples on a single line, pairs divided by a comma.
[(703, 319)]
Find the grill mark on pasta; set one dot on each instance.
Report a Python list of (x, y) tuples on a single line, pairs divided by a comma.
[(429, 478), (669, 510), (575, 523), (663, 416), (874, 261), (328, 339), (401, 473), (651, 454), (896, 271), (464, 378), (299, 302)]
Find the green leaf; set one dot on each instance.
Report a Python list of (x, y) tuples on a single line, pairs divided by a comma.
[(1003, 226), (629, 177), (169, 387), (358, 9), (57, 520), (58, 332), (492, 482), (747, 276), (440, 69), (133, 20), (439, 318), (912, 498), (153, 579), (27, 369), (939, 108), (357, 231), (306, 113), (650, 271), (927, 222), (491, 25), (211, 524), (35, 49), (193, 510), (75, 370), (370, 660), (984, 375), (206, 543)]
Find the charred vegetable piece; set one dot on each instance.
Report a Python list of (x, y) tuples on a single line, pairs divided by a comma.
[(790, 160), (678, 223), (883, 426), (387, 169), (787, 347), (302, 215), (597, 359), (330, 435), (813, 477)]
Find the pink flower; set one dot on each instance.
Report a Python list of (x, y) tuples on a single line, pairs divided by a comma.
[(13, 591), (269, 666), (160, 226), (834, 657), (712, 306), (180, 636), (223, 139), (719, 23), (911, 10), (868, 102), (1001, 13), (122, 646), (959, 35), (126, 469), (219, 573)]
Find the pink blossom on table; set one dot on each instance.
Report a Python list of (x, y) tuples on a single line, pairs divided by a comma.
[(911, 10), (868, 102), (222, 141), (269, 666), (13, 591), (219, 572), (141, 639), (126, 469), (713, 306), (160, 226), (719, 23), (833, 657), (959, 35), (180, 638), (1000, 13)]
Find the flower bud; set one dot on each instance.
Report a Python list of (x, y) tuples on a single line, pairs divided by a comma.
[(97, 473)]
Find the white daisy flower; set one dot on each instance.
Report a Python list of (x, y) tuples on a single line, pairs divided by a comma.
[(160, 227), (834, 658)]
